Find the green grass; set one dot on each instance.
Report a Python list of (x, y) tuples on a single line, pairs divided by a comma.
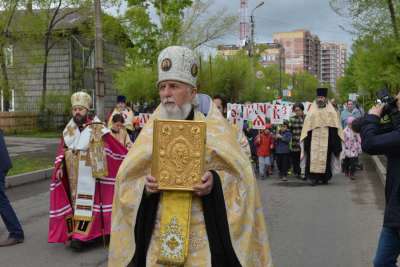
[(23, 164)]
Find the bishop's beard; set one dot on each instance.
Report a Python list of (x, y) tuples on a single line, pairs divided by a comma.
[(169, 111), (80, 119)]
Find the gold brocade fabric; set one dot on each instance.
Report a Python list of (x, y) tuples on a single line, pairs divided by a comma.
[(321, 117), (319, 150), (175, 227), (178, 165), (97, 155), (72, 163), (318, 120), (243, 205), (123, 137)]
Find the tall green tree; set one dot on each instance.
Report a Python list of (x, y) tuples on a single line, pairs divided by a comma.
[(304, 85), (370, 16), (9, 9), (148, 36), (184, 22), (375, 61)]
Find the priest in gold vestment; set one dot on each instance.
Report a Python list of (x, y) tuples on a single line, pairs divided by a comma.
[(321, 140), (225, 226)]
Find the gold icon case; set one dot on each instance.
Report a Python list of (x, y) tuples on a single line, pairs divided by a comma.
[(178, 154)]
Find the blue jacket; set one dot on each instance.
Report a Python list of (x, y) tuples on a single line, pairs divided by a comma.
[(5, 161), (355, 113), (283, 144), (376, 140)]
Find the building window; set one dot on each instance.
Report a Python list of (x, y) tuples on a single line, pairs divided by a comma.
[(93, 95), (88, 58), (11, 104), (9, 56)]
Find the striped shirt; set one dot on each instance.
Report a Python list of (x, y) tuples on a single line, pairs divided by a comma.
[(296, 125)]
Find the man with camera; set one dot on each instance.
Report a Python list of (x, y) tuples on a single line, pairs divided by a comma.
[(379, 140)]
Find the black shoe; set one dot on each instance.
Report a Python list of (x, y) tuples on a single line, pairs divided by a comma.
[(313, 182), (76, 244), (10, 242)]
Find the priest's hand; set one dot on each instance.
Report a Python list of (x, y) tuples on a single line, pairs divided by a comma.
[(206, 186), (151, 184)]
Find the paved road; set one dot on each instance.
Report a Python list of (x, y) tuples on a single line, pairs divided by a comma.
[(26, 145), (335, 225), (331, 226)]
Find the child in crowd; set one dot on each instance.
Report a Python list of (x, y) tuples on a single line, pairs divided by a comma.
[(352, 149), (282, 150), (264, 143), (119, 132)]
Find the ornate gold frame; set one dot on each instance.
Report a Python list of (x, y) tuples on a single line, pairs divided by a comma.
[(178, 153)]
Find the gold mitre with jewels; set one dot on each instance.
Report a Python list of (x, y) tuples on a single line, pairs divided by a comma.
[(81, 99), (177, 63)]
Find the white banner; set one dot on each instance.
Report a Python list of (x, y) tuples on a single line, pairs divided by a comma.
[(258, 113), (143, 119)]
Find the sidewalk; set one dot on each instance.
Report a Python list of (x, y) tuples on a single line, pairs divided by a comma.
[(30, 147), (25, 145), (380, 166)]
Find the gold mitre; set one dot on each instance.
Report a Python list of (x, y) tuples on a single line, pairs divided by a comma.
[(81, 99)]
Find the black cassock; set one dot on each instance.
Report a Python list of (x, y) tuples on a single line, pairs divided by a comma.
[(217, 227), (334, 147), (215, 218)]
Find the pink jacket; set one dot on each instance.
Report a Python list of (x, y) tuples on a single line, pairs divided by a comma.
[(352, 143)]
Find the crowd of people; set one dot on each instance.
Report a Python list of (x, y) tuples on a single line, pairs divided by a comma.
[(102, 184), (279, 147)]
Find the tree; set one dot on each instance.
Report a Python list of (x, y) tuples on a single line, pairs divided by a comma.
[(52, 13), (138, 84), (9, 9), (229, 77), (200, 26), (148, 37), (375, 61), (186, 22), (369, 17), (304, 85)]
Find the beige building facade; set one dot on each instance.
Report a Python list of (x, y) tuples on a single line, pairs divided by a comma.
[(333, 62), (301, 50)]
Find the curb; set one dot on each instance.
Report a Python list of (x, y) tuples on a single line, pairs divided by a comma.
[(380, 169), (29, 177)]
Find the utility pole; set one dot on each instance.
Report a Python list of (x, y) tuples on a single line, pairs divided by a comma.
[(251, 52), (98, 46), (280, 74)]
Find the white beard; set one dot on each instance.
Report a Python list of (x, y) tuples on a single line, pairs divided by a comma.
[(173, 112)]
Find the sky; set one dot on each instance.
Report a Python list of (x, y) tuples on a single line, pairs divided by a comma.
[(286, 15)]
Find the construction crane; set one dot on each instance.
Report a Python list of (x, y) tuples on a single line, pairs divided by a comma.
[(244, 23)]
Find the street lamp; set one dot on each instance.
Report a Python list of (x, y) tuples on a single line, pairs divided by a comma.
[(252, 28)]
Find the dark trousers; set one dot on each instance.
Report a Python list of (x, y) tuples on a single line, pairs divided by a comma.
[(283, 161), (295, 157), (349, 165), (388, 248), (7, 213)]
